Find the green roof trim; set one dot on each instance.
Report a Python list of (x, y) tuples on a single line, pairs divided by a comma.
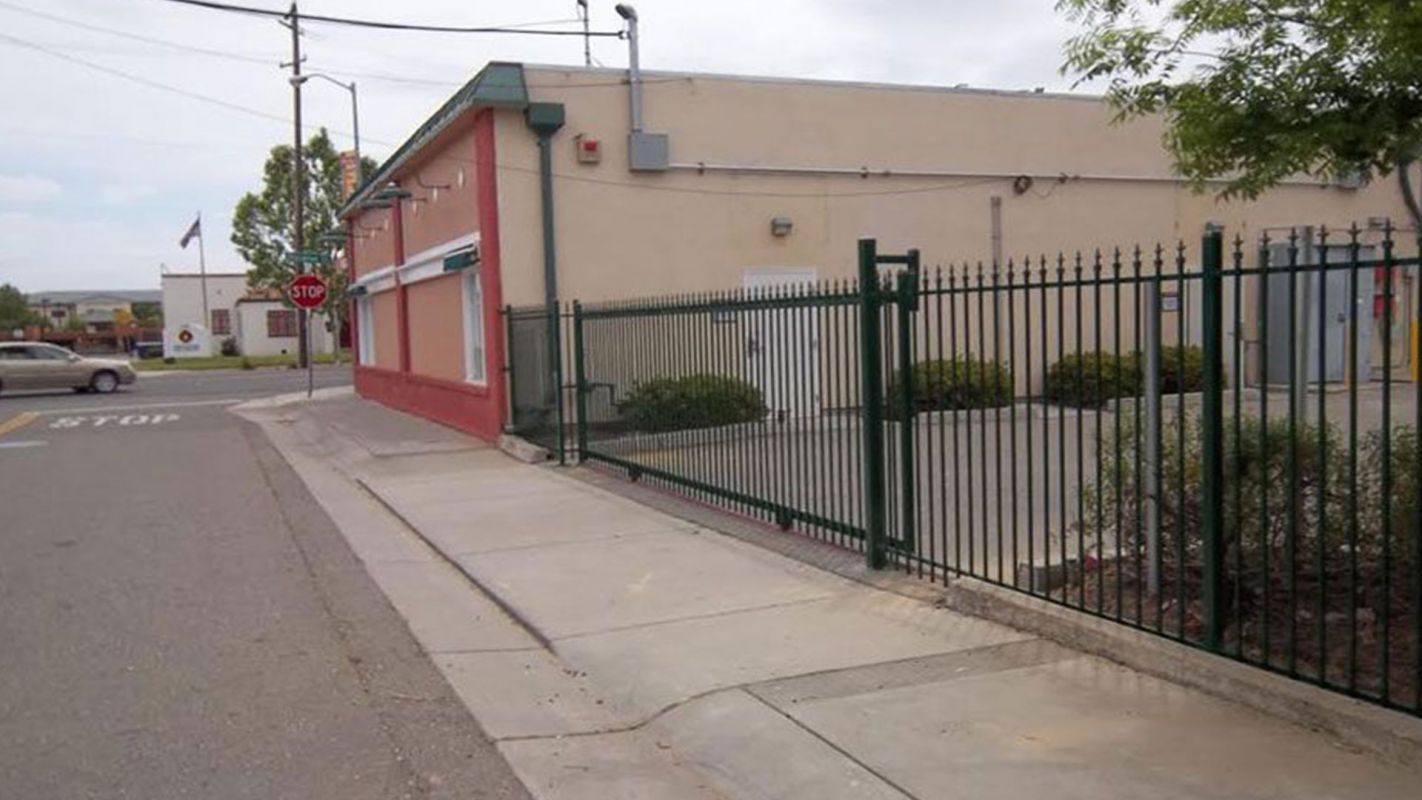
[(500, 84)]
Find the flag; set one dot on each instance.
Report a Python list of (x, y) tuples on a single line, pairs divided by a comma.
[(193, 230)]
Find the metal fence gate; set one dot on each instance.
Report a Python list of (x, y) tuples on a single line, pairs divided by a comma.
[(1110, 431), (537, 391)]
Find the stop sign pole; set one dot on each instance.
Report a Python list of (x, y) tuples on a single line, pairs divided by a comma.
[(308, 292)]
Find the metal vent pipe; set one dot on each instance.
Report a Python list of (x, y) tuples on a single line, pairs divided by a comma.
[(634, 69)]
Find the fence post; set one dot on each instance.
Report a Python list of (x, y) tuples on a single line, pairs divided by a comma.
[(509, 372), (1212, 423), (555, 359), (581, 382), (872, 402), (1152, 463), (907, 304)]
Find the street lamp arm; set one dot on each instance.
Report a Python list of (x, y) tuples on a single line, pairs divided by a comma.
[(297, 80)]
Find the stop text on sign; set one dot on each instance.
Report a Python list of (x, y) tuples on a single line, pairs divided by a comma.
[(307, 291)]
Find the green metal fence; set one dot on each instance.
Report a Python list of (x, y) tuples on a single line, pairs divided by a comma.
[(1218, 445), (538, 393)]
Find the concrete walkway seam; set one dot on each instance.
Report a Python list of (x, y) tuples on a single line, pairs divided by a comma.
[(890, 782)]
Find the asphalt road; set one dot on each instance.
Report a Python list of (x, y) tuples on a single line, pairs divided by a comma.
[(178, 618)]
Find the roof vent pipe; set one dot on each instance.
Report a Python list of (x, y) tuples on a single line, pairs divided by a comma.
[(634, 68), (646, 152)]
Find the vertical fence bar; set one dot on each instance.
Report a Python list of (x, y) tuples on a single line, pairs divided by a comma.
[(958, 469), (1321, 546), (1416, 488), (1352, 379), (872, 400), (1212, 420), (1031, 458), (1385, 617), (1081, 551), (1236, 522), (1292, 459), (1266, 541), (908, 303), (509, 368), (996, 419), (1012, 415), (1152, 461), (581, 378)]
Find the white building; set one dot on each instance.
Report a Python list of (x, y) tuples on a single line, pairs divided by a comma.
[(257, 324), (266, 327)]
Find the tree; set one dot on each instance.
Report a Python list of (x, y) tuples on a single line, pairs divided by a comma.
[(1282, 87), (14, 310), (262, 222)]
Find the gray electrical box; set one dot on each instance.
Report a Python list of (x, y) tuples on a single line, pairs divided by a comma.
[(648, 152), (1334, 291)]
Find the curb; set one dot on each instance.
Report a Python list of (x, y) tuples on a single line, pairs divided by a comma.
[(1357, 724), (293, 398)]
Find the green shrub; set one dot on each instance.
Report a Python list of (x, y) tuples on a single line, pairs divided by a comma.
[(229, 347), (1264, 521), (1172, 378), (1093, 379), (247, 363), (951, 384), (694, 401), (1089, 380)]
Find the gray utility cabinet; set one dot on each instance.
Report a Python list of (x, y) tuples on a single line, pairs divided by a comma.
[(1333, 291)]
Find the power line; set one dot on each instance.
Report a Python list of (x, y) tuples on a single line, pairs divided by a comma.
[(139, 79), (138, 37), (390, 26), (251, 59)]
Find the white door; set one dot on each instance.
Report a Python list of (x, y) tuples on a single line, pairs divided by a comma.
[(783, 345)]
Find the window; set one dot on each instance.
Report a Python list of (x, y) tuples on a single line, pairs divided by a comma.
[(365, 329), (474, 368), (281, 324), (48, 352), (221, 321)]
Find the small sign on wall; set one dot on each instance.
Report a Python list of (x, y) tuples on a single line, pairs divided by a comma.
[(1170, 302)]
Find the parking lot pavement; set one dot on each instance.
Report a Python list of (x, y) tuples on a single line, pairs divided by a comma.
[(181, 620)]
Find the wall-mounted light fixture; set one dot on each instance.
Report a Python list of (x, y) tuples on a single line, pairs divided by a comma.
[(781, 226)]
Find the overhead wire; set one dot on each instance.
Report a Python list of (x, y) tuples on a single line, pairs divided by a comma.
[(274, 59), (393, 26), (17, 42), (200, 97)]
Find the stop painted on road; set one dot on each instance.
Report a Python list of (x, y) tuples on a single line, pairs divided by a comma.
[(113, 420)]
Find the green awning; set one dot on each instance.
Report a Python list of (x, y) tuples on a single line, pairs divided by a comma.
[(461, 259)]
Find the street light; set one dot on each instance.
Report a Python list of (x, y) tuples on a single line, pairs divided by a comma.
[(297, 80)]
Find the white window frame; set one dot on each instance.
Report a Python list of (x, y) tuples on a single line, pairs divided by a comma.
[(476, 352), (365, 329)]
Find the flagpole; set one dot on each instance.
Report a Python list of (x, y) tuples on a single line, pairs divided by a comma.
[(202, 271)]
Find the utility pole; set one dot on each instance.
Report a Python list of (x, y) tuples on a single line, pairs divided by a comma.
[(303, 341)]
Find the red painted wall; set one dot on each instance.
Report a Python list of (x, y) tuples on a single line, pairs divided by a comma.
[(480, 410)]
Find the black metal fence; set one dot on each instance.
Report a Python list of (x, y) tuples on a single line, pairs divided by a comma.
[(539, 397), (1218, 447)]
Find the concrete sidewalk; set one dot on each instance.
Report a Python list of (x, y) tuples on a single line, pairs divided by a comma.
[(614, 651)]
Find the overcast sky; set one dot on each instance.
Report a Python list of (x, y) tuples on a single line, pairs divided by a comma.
[(101, 174)]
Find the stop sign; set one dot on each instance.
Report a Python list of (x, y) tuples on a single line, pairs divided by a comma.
[(307, 291)]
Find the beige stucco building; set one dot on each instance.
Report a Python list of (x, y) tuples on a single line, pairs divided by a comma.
[(740, 181)]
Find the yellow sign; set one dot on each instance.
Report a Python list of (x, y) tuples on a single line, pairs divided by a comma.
[(350, 173)]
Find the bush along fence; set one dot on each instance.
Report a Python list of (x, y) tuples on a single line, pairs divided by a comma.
[(1219, 446)]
